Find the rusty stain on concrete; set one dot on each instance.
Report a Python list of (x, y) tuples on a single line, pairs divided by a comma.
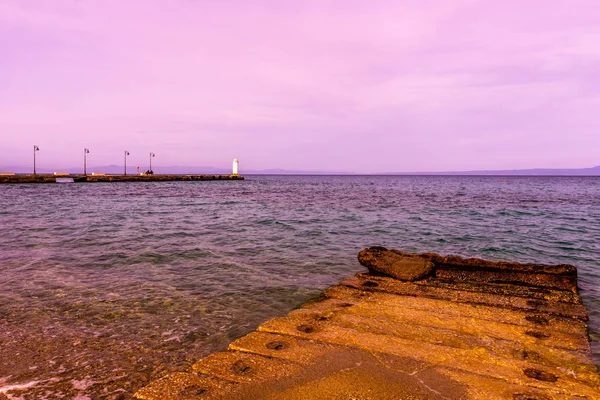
[(448, 328)]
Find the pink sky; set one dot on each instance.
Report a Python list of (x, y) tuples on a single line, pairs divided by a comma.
[(364, 86)]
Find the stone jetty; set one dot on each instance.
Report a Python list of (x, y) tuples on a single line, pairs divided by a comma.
[(48, 178), (416, 326)]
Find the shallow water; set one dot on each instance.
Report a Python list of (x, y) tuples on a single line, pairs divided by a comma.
[(104, 287)]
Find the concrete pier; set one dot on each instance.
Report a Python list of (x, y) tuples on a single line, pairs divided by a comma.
[(440, 328), (49, 178)]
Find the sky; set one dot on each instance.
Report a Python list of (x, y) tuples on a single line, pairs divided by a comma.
[(317, 85)]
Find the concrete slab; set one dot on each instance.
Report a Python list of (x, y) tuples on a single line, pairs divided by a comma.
[(185, 386), (284, 347), (237, 366), (424, 289), (472, 329), (341, 294), (478, 360)]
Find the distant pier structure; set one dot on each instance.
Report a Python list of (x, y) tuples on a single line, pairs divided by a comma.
[(149, 176), (102, 177)]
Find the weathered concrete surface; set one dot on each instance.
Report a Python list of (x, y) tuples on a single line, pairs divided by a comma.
[(468, 329), (48, 178)]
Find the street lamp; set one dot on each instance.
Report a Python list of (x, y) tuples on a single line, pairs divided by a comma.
[(151, 155), (85, 153), (35, 148), (125, 170)]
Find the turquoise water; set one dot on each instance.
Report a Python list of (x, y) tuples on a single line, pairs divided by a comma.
[(104, 287)]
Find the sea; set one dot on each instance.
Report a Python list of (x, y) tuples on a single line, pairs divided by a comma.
[(105, 287)]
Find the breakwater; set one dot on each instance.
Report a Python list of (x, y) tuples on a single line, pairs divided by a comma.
[(49, 178), (415, 326)]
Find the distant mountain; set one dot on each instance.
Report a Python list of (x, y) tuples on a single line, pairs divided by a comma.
[(116, 169), (176, 169), (594, 171)]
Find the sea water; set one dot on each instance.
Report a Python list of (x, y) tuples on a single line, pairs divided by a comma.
[(105, 287)]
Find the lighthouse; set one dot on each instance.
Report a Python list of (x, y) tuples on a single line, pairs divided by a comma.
[(236, 165)]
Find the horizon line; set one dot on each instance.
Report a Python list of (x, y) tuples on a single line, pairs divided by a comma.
[(281, 171)]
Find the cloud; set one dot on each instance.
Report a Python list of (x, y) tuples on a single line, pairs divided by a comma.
[(264, 78)]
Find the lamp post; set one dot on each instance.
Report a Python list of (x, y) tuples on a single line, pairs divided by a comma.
[(151, 155), (35, 148), (125, 169), (85, 153)]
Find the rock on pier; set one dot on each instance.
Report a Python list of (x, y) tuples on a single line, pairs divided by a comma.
[(417, 326)]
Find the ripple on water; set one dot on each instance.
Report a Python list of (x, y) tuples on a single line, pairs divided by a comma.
[(105, 287)]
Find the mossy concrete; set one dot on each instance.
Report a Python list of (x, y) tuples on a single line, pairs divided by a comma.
[(471, 329)]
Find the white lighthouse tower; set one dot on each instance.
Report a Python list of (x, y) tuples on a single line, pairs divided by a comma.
[(236, 165)]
